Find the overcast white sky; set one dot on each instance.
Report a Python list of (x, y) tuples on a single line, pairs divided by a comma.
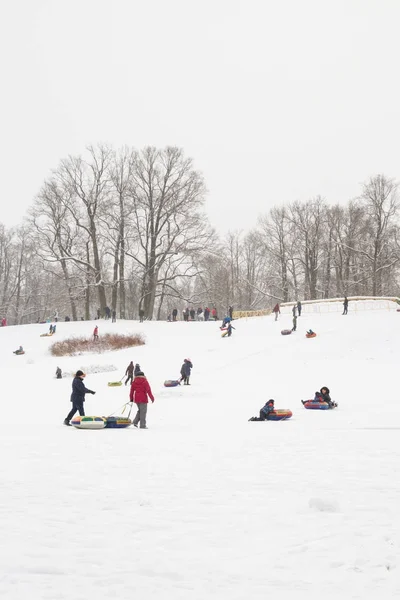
[(275, 100)]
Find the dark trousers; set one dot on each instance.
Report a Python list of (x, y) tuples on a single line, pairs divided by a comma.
[(345, 310), (77, 405), (129, 378)]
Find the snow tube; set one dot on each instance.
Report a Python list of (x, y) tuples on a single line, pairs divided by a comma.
[(280, 414), (171, 382), (316, 405), (117, 422), (18, 353), (46, 334), (114, 383), (311, 335), (89, 422), (286, 331), (224, 333)]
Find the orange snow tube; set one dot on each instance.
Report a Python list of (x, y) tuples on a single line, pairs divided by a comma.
[(311, 335)]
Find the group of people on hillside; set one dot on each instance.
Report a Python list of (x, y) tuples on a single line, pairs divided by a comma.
[(108, 314), (296, 311), (192, 314)]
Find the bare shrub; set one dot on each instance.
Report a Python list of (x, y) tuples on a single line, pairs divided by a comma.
[(106, 343)]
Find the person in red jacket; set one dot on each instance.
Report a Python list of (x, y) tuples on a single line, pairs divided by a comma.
[(96, 334), (140, 391), (277, 311)]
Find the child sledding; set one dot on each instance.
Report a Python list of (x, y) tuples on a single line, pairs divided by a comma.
[(269, 413), (321, 401), (20, 350)]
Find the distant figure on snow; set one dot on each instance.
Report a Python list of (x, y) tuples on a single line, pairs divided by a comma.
[(294, 323), (114, 316), (214, 314), (265, 411), (141, 315), (174, 314), (78, 396), (137, 369), (323, 396), (294, 309), (139, 394), (277, 311), (299, 308), (4, 322), (229, 329), (107, 310), (56, 316), (96, 334), (345, 305), (19, 351), (58, 373), (129, 372), (67, 319), (230, 312), (186, 370), (225, 321), (206, 313)]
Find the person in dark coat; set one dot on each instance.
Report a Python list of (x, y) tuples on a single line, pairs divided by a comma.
[(229, 329), (114, 316), (299, 308), (294, 309), (206, 313), (174, 314), (277, 311), (186, 370), (345, 305), (294, 323), (265, 411), (58, 373), (129, 372), (323, 396), (137, 369), (141, 315), (230, 312), (98, 313), (192, 314), (139, 394), (78, 396)]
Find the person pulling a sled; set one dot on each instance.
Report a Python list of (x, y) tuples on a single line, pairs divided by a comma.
[(78, 396), (186, 370), (129, 372), (265, 411), (139, 394)]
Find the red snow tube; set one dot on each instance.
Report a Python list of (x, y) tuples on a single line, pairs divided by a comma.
[(316, 405), (280, 414), (311, 335), (286, 331)]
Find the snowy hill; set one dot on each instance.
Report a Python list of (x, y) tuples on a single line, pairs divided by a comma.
[(205, 505)]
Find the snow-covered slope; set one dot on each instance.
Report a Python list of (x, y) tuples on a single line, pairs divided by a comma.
[(205, 504)]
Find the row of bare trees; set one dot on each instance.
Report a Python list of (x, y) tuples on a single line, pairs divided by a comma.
[(126, 229)]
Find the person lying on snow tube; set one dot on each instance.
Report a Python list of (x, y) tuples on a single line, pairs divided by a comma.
[(264, 412), (323, 396)]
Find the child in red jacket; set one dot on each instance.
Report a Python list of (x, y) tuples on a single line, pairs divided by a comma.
[(140, 391)]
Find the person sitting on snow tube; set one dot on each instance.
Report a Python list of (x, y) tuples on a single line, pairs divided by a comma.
[(19, 351), (323, 396), (264, 412), (310, 332)]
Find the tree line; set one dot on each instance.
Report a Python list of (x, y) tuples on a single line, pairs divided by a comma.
[(127, 229)]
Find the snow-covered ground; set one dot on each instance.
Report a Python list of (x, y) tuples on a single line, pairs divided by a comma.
[(206, 505)]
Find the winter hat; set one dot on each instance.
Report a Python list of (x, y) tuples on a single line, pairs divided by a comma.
[(79, 374), (324, 388), (271, 401), (140, 374)]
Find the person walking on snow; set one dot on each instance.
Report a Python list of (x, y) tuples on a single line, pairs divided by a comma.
[(294, 310), (230, 312), (186, 370), (78, 396), (294, 323), (139, 394), (277, 311), (137, 369), (96, 334), (299, 308), (345, 306), (129, 372)]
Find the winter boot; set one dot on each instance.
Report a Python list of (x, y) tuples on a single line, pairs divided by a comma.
[(66, 422)]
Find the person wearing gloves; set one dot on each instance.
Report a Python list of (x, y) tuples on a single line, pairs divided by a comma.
[(139, 394), (78, 396), (265, 411)]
